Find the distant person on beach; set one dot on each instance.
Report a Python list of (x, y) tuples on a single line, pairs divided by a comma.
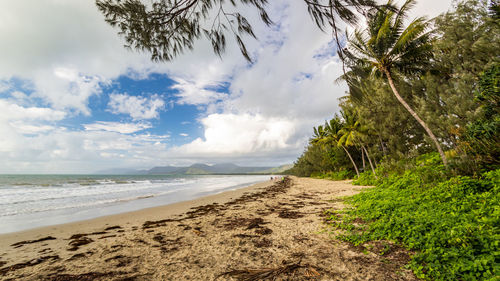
[(271, 178)]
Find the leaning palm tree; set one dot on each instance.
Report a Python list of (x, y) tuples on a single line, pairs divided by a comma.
[(389, 48)]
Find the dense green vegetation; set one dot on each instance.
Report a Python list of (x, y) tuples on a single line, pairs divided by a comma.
[(420, 122), (453, 90), (451, 222)]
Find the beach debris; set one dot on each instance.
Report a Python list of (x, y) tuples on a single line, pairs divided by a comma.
[(22, 243), (76, 256), (87, 276), (300, 238), (80, 235), (162, 241), (138, 240), (287, 269), (186, 227), (242, 235), (42, 251), (288, 214), (120, 259), (256, 223), (152, 224), (263, 243), (305, 196), (204, 210), (112, 227), (107, 236), (215, 208), (79, 241), (167, 245), (33, 262), (249, 223), (160, 238), (264, 231)]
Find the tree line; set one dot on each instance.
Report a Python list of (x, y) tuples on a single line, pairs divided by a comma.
[(415, 88)]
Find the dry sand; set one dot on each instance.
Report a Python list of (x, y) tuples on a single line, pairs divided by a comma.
[(266, 231)]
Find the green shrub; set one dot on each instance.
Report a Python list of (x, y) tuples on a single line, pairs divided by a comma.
[(365, 178), (419, 171), (451, 223), (340, 175)]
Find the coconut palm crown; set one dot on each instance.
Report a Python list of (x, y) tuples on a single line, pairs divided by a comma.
[(386, 45)]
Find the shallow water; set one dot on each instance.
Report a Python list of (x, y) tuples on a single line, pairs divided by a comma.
[(29, 201)]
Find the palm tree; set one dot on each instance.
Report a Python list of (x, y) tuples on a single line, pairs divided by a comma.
[(387, 47), (332, 130), (319, 134), (351, 134)]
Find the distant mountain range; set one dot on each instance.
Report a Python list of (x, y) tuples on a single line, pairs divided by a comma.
[(200, 169)]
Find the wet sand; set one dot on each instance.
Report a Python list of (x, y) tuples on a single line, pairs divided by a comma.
[(269, 231)]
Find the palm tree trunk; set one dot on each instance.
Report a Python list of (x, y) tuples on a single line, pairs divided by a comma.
[(414, 114), (384, 150), (369, 160), (353, 163), (363, 157)]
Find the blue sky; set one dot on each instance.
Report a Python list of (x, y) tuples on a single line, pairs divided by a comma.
[(73, 100)]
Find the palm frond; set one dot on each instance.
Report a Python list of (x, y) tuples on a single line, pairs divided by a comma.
[(414, 30), (402, 13)]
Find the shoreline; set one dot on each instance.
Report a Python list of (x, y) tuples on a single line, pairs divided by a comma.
[(126, 218), (271, 230), (73, 200)]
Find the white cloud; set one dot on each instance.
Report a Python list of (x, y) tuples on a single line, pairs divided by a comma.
[(228, 134), (196, 93), (66, 88), (65, 55), (184, 135), (16, 120), (12, 111), (65, 151), (124, 128), (137, 107), (273, 104), (20, 96), (24, 128)]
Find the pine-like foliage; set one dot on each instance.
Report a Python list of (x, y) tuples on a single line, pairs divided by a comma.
[(166, 28)]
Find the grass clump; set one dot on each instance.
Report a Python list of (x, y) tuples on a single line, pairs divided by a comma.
[(450, 222)]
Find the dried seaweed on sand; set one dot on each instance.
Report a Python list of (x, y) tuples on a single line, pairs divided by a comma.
[(287, 269)]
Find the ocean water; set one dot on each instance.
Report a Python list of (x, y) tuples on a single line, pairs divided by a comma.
[(30, 201)]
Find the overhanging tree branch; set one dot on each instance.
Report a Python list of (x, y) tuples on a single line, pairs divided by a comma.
[(166, 28)]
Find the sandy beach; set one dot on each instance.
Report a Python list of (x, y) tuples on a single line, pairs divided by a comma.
[(268, 231)]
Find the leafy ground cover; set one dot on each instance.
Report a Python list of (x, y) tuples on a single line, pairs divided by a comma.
[(451, 223)]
